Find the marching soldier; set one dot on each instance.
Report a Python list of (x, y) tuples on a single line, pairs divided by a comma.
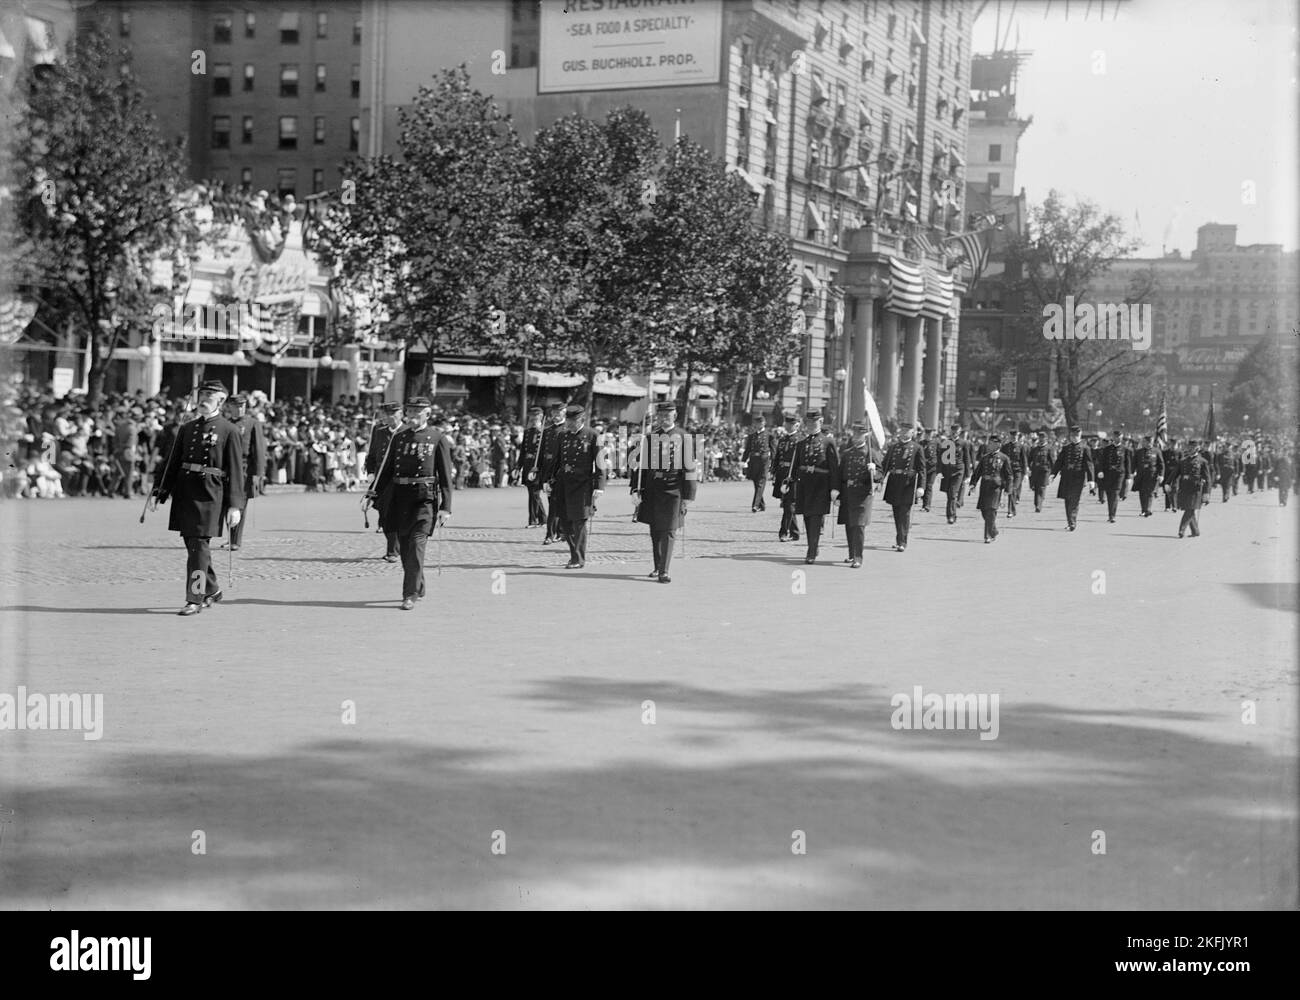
[(1250, 463), (994, 474), (1192, 480), (1018, 455), (930, 447), (664, 483), (253, 438), (416, 478), (757, 458), (1226, 461), (380, 436), (1148, 473), (530, 460), (575, 480), (1113, 475), (204, 477), (952, 473), (550, 444), (1040, 458), (904, 467), (782, 479), (1284, 474), (1169, 455), (1074, 465), (815, 471), (856, 485)]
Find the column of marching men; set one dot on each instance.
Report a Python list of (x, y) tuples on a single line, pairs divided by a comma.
[(214, 466)]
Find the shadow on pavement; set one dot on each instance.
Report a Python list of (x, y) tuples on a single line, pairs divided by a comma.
[(1005, 824), (70, 610), (1273, 596)]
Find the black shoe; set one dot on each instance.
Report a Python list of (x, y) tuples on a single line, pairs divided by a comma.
[(794, 537), (190, 609), (390, 558), (408, 603), (212, 599), (574, 564), (903, 547), (1110, 520), (925, 510), (856, 564), (654, 573), (1072, 527), (665, 578), (809, 559), (234, 547), (782, 538), (987, 540), (548, 540), (1181, 534)]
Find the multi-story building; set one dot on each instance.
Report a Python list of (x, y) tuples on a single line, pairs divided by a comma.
[(267, 96), (847, 119)]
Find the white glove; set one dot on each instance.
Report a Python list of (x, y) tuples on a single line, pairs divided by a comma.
[(233, 516)]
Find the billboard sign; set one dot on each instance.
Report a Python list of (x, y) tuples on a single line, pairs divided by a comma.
[(624, 44)]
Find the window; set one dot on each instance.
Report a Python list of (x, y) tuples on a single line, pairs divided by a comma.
[(995, 154), (320, 78), (221, 24), (124, 24), (286, 181), (288, 132), (995, 180), (354, 140), (318, 130), (289, 80), (221, 132), (322, 24), (317, 181), (250, 73), (1009, 385), (246, 133), (246, 177), (289, 28), (1031, 388), (356, 32), (250, 25), (356, 79), (221, 79)]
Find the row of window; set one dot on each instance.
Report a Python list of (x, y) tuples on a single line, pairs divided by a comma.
[(1008, 385), (288, 131), (223, 26), (286, 179), (222, 73)]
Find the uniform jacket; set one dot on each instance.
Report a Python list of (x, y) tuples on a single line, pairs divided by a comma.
[(1041, 457), (530, 456), (1148, 468), (379, 438), (993, 472), (783, 456), (816, 471), (575, 473), (1191, 479), (856, 483), (200, 499), (757, 456), (667, 475), (253, 437), (1019, 456), (904, 461), (1074, 465), (414, 454), (550, 452), (952, 466), (1113, 466)]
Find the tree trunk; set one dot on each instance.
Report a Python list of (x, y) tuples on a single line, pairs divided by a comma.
[(591, 390)]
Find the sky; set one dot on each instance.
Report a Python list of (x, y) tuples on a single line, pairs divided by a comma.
[(1171, 114)]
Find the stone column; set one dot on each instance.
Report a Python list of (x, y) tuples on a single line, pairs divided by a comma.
[(911, 369), (864, 335), (888, 371), (933, 372)]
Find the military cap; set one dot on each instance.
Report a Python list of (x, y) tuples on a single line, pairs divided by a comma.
[(555, 406), (790, 418), (1194, 442), (904, 426), (857, 427), (813, 415), (667, 406), (995, 437), (214, 385), (534, 411), (572, 410), (416, 402), (1075, 428), (390, 407), (240, 399), (1101, 435)]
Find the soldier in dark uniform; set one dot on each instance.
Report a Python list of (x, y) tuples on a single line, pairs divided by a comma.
[(1148, 473), (930, 448), (530, 460), (856, 486), (1284, 475), (783, 481), (376, 450), (253, 438), (757, 458), (952, 473), (903, 467), (968, 456), (1169, 455), (994, 474), (1250, 463), (550, 444), (1040, 457), (575, 480), (1074, 465), (1113, 473), (204, 477), (1226, 462), (665, 481), (815, 471), (1018, 455), (1192, 481), (415, 482)]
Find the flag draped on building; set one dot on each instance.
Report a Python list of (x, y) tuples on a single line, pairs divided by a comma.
[(1162, 425), (974, 249), (1210, 432), (906, 288)]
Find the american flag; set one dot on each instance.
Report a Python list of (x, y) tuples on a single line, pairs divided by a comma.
[(922, 243), (15, 315), (975, 249), (1210, 431), (270, 323), (1162, 425)]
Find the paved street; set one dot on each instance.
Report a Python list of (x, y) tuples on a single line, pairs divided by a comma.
[(508, 711)]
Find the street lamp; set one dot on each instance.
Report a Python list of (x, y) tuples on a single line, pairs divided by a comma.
[(841, 376), (994, 395), (1099, 420)]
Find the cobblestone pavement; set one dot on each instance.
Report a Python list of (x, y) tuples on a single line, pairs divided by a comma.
[(531, 737)]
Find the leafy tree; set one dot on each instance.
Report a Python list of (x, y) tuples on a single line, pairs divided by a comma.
[(1265, 388), (99, 195)]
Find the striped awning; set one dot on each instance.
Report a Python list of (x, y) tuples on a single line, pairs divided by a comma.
[(205, 358), (906, 288), (606, 386), (938, 294), (469, 371), (553, 380)]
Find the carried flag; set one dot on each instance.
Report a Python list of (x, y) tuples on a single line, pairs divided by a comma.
[(1210, 432), (974, 248), (1162, 425)]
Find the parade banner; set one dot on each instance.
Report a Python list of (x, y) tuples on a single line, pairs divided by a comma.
[(624, 44)]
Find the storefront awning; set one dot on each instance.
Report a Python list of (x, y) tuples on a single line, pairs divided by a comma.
[(553, 380), (315, 304), (200, 358), (469, 371), (199, 292), (618, 387)]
